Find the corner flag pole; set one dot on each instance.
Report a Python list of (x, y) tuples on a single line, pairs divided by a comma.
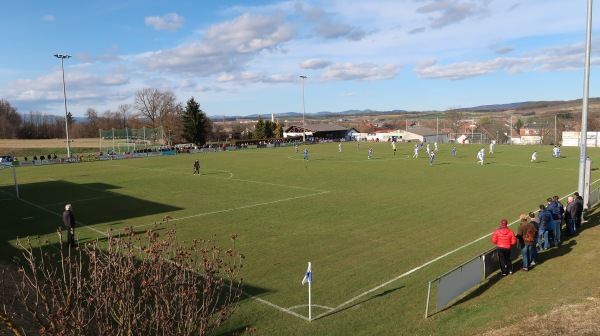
[(308, 278)]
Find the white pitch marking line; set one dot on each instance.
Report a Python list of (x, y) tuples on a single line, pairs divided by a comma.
[(417, 268), (314, 305)]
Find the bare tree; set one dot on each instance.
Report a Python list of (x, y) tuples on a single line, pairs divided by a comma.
[(455, 116), (134, 285), (124, 112), (155, 105)]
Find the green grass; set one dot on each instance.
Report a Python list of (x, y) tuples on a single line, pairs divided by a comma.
[(360, 222)]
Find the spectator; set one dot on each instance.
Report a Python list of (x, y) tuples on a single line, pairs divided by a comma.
[(504, 238), (536, 223), (571, 215), (579, 209), (555, 209), (545, 218), (526, 234), (69, 221)]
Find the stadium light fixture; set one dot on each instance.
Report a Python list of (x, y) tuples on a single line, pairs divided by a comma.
[(62, 65), (303, 111)]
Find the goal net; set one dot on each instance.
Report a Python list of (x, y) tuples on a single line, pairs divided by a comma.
[(125, 147), (8, 180)]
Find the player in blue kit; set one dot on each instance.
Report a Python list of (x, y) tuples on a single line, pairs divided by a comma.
[(370, 153), (454, 151), (306, 154), (431, 157)]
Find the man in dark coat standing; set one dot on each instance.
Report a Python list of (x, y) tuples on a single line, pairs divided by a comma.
[(69, 220)]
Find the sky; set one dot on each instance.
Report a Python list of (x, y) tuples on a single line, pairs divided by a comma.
[(246, 57)]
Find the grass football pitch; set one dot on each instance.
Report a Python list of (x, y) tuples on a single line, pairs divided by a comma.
[(374, 229)]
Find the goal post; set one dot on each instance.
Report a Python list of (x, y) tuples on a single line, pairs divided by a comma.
[(142, 137), (5, 178), (126, 147)]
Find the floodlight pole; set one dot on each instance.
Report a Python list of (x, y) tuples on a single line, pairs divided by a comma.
[(62, 65), (584, 109), (303, 111)]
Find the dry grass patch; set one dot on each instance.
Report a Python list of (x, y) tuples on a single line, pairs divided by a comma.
[(48, 143), (574, 319)]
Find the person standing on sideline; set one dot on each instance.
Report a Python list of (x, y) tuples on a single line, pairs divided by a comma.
[(305, 154), (431, 157), (545, 218), (578, 209), (480, 157), (69, 221), (416, 155), (536, 224), (526, 235), (534, 156), (370, 153), (571, 216), (196, 167), (504, 238), (454, 151)]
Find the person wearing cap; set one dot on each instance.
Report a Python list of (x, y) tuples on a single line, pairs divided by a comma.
[(504, 238), (526, 246), (69, 221)]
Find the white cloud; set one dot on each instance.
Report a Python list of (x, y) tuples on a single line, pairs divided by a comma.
[(326, 25), (314, 63), (225, 47), (360, 72), (347, 94), (170, 22), (48, 18), (447, 12)]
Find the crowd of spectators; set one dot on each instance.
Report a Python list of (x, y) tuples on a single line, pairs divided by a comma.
[(538, 233)]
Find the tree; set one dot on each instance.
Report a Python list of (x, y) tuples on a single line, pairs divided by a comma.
[(269, 129), (455, 116), (519, 125), (155, 105), (278, 130), (196, 124), (10, 120), (131, 286), (259, 129), (124, 113)]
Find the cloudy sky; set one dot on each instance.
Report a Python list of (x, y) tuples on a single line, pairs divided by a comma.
[(246, 57)]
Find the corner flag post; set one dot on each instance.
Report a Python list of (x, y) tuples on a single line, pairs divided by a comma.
[(308, 278)]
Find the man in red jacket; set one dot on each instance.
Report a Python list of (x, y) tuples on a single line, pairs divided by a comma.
[(504, 238)]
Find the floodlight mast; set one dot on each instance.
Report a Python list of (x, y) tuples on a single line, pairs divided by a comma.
[(303, 111), (62, 65)]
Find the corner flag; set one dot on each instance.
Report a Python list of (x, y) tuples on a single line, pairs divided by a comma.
[(308, 275)]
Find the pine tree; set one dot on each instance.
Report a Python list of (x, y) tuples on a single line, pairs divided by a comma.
[(195, 123)]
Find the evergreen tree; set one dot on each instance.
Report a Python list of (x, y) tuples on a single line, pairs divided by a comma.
[(259, 129), (269, 129), (278, 130), (195, 123)]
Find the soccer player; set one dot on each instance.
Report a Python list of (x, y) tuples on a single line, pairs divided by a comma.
[(428, 150), (491, 147), (435, 146), (305, 155), (431, 157), (296, 147), (480, 157), (416, 155), (370, 153), (558, 152), (454, 151), (534, 156), (196, 167), (394, 147), (358, 145), (340, 146)]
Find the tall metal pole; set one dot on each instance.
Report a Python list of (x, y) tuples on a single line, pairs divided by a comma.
[(62, 65), (303, 111), (584, 109), (555, 143), (510, 129)]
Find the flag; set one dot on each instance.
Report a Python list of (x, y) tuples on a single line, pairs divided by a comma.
[(308, 275)]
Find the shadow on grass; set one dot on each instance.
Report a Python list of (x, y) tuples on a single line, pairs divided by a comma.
[(384, 293)]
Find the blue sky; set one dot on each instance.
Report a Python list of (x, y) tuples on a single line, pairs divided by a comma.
[(245, 57)]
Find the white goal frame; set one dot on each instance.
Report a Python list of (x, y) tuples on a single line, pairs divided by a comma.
[(121, 145), (14, 169)]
